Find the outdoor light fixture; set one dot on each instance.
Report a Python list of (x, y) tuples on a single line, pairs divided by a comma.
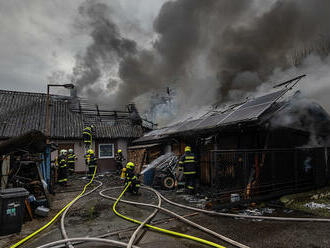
[(68, 86)]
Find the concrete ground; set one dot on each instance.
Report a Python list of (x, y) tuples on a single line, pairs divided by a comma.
[(93, 216)]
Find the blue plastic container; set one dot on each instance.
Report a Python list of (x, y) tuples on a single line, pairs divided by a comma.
[(148, 177)]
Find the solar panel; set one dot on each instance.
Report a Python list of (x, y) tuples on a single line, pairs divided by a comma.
[(252, 109), (248, 111), (270, 98), (244, 114), (211, 121), (188, 125)]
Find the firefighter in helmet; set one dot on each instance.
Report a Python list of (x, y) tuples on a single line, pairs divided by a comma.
[(88, 136), (71, 161), (119, 158), (62, 177), (130, 176), (188, 164), (91, 163)]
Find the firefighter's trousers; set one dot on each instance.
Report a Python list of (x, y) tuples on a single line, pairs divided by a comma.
[(190, 182), (91, 169), (62, 176)]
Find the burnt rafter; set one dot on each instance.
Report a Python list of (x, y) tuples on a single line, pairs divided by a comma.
[(25, 111)]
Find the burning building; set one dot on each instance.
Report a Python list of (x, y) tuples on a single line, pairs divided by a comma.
[(270, 144)]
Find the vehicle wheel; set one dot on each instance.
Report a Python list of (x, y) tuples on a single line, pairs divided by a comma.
[(168, 182)]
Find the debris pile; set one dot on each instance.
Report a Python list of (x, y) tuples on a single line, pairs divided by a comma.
[(314, 205)]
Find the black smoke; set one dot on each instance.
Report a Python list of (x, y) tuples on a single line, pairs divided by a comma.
[(227, 47)]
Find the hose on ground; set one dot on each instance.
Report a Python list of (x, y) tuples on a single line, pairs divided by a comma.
[(174, 214), (203, 241), (147, 220), (56, 216), (106, 241), (63, 231), (245, 216)]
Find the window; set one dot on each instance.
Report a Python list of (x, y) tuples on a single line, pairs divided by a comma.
[(106, 150)]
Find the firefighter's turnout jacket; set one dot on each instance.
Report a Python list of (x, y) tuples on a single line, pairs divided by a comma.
[(131, 177), (188, 164), (119, 158), (71, 161), (88, 136), (62, 176)]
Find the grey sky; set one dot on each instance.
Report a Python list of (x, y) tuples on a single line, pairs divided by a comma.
[(38, 37)]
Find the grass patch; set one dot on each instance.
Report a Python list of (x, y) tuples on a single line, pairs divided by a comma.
[(298, 201)]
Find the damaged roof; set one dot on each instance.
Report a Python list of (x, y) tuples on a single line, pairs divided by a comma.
[(245, 112), (21, 112)]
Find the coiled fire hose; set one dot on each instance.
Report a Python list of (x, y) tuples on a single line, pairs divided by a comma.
[(56, 216)]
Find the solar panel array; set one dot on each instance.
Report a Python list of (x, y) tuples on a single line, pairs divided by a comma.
[(248, 111)]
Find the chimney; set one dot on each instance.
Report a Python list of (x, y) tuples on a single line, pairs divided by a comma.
[(73, 92), (134, 114)]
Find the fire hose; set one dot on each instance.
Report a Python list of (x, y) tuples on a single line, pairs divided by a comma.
[(56, 216), (147, 220), (173, 214), (130, 243), (245, 216), (203, 241), (144, 223), (106, 241), (63, 231)]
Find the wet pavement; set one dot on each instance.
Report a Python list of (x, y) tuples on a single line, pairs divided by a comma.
[(93, 216)]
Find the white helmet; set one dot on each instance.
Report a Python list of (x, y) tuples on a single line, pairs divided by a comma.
[(70, 150), (62, 152)]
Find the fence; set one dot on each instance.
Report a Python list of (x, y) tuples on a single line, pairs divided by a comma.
[(268, 171)]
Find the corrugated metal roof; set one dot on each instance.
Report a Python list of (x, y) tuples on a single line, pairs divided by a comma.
[(143, 146), (21, 112)]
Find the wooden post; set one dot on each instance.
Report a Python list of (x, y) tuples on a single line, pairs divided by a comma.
[(47, 120)]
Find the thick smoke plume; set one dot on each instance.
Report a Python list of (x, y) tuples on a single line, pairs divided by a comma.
[(305, 115), (206, 51)]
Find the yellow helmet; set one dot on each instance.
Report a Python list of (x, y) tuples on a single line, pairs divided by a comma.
[(119, 151), (130, 165), (90, 151), (187, 149)]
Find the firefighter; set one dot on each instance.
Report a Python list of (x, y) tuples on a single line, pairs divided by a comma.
[(188, 163), (130, 176), (71, 161), (62, 177), (88, 136), (91, 162), (119, 158)]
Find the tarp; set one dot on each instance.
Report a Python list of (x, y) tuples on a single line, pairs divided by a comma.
[(162, 162)]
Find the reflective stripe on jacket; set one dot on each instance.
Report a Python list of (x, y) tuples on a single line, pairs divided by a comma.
[(62, 161), (188, 162), (71, 158), (92, 161)]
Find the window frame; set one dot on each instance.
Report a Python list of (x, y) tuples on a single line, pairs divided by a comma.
[(105, 157)]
